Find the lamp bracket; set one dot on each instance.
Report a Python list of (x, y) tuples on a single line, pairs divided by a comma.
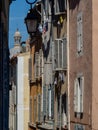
[(31, 3)]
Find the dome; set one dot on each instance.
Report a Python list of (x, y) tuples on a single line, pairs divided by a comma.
[(17, 33)]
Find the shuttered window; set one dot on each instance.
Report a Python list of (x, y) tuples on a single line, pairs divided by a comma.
[(59, 54), (37, 65), (60, 6), (52, 101), (79, 33), (44, 100), (35, 109), (78, 94)]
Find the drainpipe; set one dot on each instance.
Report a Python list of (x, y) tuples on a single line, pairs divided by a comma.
[(68, 64)]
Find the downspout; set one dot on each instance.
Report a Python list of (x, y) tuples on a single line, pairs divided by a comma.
[(68, 64)]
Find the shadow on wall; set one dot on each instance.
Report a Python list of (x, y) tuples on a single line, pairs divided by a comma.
[(73, 3)]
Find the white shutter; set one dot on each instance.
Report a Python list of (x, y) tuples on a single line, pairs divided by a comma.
[(49, 101), (44, 100), (81, 93), (79, 33), (59, 54), (76, 95), (53, 56)]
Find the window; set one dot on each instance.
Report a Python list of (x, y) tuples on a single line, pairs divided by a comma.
[(79, 127), (78, 95), (38, 64), (59, 54), (48, 101), (60, 6), (79, 34), (61, 110)]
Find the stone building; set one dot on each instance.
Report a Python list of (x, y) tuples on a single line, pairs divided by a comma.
[(69, 77), (19, 84)]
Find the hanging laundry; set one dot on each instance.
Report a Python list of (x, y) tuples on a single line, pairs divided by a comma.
[(45, 27)]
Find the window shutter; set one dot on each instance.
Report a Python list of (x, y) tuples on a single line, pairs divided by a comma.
[(44, 101), (37, 63), (79, 33), (76, 95), (39, 107), (60, 112), (35, 108), (53, 56), (30, 113), (52, 101), (48, 105), (81, 93), (60, 6), (30, 68), (56, 53), (60, 53), (40, 69), (64, 54), (47, 7)]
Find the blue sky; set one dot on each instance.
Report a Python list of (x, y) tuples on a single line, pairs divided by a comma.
[(18, 11)]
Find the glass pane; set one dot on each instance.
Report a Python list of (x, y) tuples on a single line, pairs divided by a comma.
[(31, 25)]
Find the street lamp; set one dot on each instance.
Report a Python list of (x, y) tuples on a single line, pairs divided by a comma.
[(32, 19)]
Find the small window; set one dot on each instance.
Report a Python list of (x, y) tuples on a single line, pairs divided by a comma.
[(79, 127)]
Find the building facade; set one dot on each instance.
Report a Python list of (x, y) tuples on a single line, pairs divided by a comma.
[(19, 84), (4, 64), (80, 57), (69, 75)]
